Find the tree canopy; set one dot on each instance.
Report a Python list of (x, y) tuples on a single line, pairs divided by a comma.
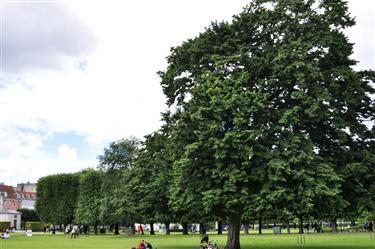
[(266, 106), (90, 198), (266, 117), (57, 198)]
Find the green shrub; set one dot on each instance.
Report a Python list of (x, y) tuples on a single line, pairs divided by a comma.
[(4, 225), (209, 226), (34, 226)]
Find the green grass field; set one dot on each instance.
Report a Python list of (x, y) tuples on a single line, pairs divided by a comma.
[(177, 241)]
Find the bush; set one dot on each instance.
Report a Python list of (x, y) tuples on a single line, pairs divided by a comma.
[(4, 225), (34, 226), (209, 226)]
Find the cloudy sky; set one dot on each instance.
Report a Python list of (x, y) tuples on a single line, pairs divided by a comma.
[(76, 75)]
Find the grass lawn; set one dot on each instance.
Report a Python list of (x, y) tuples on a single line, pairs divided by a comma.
[(177, 241)]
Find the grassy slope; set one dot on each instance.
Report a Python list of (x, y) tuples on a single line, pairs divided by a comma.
[(321, 241)]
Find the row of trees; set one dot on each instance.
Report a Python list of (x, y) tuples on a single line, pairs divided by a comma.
[(266, 117)]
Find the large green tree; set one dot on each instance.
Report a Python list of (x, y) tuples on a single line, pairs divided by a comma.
[(268, 102), (89, 199), (116, 160), (153, 179)]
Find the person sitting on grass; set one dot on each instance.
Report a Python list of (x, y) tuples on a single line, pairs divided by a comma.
[(204, 238), (5, 235), (141, 245), (204, 241), (148, 245)]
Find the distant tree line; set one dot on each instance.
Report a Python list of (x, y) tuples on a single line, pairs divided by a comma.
[(266, 119)]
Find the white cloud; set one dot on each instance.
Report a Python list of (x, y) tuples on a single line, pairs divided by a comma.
[(31, 169), (363, 33), (67, 154), (42, 36), (59, 79), (21, 144)]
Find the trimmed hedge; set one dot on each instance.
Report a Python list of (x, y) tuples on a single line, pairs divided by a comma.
[(4, 225), (34, 226)]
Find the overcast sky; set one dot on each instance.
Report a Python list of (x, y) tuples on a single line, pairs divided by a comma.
[(76, 75)]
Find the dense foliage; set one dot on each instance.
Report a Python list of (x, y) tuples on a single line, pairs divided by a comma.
[(57, 198), (270, 110), (27, 215), (89, 199)]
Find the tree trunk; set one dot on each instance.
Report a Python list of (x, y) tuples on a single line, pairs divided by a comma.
[(132, 228), (220, 227), (85, 229), (287, 226), (246, 228), (234, 226), (185, 229), (96, 228), (152, 231), (117, 229), (300, 225), (260, 225), (341, 227), (167, 230), (334, 225), (202, 229), (53, 229)]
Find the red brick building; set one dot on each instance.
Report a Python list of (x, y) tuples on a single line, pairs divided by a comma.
[(9, 196), (13, 199)]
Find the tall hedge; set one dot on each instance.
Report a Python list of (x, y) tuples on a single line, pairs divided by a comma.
[(57, 198), (34, 226)]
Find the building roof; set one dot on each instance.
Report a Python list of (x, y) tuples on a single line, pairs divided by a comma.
[(8, 211), (11, 193)]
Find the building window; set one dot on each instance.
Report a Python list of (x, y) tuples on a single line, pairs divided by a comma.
[(15, 216)]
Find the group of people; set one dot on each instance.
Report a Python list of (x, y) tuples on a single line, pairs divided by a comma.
[(144, 245), (74, 233)]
